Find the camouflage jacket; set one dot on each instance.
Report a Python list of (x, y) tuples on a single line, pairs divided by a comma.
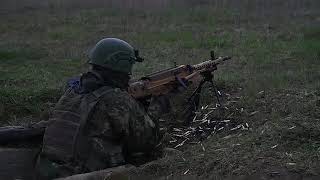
[(118, 129)]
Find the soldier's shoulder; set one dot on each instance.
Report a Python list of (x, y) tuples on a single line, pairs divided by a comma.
[(116, 95)]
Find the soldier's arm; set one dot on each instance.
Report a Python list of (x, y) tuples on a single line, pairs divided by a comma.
[(127, 122)]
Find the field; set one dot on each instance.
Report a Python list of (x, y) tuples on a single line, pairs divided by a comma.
[(274, 74)]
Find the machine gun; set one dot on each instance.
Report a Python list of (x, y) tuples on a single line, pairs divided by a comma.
[(156, 84), (165, 81)]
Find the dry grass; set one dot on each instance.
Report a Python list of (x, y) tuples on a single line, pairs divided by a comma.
[(275, 48)]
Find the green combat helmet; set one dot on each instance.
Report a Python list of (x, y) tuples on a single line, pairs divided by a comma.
[(114, 54)]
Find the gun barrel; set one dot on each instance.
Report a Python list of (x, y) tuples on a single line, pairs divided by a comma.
[(210, 63)]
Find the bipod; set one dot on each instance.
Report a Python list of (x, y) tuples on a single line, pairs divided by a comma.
[(194, 99), (208, 77)]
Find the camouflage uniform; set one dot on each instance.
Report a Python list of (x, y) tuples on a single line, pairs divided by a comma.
[(96, 124), (116, 129)]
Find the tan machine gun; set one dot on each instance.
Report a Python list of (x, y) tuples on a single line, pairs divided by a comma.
[(164, 81)]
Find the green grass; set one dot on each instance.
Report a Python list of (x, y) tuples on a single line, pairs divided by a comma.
[(27, 82), (57, 44), (39, 51)]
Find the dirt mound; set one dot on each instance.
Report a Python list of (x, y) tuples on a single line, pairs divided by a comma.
[(270, 135)]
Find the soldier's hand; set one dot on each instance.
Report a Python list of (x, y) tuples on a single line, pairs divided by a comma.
[(160, 104)]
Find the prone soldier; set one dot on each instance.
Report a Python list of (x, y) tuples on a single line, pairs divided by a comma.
[(96, 124), (102, 120)]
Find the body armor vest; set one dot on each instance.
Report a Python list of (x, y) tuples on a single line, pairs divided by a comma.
[(64, 139)]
